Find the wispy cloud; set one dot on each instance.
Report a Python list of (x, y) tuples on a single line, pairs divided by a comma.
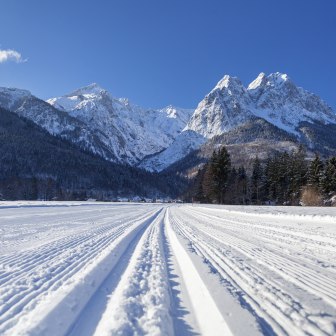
[(11, 55)]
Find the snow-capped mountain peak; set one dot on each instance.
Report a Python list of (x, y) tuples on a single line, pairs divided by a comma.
[(277, 99), (278, 78), (120, 131), (274, 80), (10, 97), (261, 80), (130, 131), (274, 98), (92, 89), (222, 109), (229, 84)]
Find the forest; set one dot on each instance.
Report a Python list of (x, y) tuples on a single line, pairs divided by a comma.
[(36, 165), (286, 178)]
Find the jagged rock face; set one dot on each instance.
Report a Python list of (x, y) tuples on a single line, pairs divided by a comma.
[(130, 131), (54, 121), (120, 131), (230, 108), (275, 98), (223, 109)]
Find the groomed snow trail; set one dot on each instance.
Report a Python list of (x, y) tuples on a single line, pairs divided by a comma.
[(281, 268), (152, 269)]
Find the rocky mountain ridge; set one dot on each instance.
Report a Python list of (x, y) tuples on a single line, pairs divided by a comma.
[(270, 109), (230, 107)]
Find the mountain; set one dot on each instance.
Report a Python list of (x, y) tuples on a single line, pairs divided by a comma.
[(224, 108), (184, 143), (127, 130), (274, 98), (272, 113), (35, 164), (278, 100), (54, 121)]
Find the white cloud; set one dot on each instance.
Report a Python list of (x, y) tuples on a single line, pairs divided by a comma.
[(11, 55)]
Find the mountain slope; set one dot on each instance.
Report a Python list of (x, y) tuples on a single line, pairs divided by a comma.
[(270, 109), (130, 131), (278, 100), (274, 98), (54, 121), (184, 143), (224, 108), (36, 164)]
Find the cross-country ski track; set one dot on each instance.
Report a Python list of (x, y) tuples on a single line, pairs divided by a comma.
[(72, 268)]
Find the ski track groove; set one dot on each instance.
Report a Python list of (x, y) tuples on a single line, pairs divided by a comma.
[(86, 248), (103, 270), (140, 304), (208, 246), (289, 268)]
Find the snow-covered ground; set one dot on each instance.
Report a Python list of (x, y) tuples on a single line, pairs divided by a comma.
[(72, 268)]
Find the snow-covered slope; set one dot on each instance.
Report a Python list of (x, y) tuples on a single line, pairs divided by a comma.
[(230, 107), (130, 131), (153, 269), (274, 98), (224, 108), (153, 139), (54, 121), (278, 100), (184, 143)]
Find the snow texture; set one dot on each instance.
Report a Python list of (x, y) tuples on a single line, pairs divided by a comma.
[(274, 98), (72, 268), (130, 131), (120, 131)]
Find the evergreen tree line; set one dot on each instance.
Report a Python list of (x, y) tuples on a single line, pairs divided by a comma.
[(284, 178), (36, 165)]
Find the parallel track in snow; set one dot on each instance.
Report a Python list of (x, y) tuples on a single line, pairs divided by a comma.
[(107, 270), (280, 288)]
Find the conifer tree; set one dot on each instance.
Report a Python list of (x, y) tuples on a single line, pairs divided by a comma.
[(315, 173), (328, 180), (220, 168), (257, 181), (298, 173), (208, 184), (242, 185), (217, 175)]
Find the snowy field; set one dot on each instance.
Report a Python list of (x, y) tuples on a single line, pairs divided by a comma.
[(150, 269)]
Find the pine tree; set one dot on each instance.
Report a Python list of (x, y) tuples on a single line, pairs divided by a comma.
[(220, 165), (257, 181), (299, 172), (231, 195), (242, 182), (328, 180), (197, 192), (315, 173), (208, 185)]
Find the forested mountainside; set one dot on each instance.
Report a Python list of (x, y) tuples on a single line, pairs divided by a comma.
[(37, 165)]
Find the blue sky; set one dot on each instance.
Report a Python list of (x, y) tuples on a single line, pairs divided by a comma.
[(160, 52)]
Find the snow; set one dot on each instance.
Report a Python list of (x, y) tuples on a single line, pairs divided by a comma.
[(90, 268), (197, 291), (259, 81), (184, 144), (10, 96), (129, 131), (274, 98), (121, 131)]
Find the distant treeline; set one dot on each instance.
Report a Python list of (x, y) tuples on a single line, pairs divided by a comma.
[(36, 165), (284, 178)]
